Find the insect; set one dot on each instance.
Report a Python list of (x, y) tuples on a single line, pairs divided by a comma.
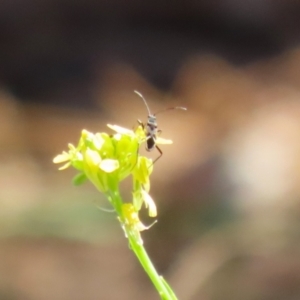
[(151, 129)]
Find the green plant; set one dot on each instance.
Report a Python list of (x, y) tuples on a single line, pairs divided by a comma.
[(106, 160)]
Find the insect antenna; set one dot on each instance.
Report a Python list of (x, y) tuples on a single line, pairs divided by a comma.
[(139, 94), (170, 108)]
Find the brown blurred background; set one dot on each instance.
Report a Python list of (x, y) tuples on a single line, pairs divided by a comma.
[(227, 190)]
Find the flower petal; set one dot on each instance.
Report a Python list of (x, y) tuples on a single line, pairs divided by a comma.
[(149, 202), (92, 157), (65, 166), (61, 158), (109, 165), (120, 129), (98, 141)]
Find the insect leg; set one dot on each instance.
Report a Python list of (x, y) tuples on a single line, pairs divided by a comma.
[(160, 154), (141, 123)]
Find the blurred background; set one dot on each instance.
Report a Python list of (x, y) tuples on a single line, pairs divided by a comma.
[(227, 190)]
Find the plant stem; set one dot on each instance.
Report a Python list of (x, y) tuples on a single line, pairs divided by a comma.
[(160, 284), (136, 245)]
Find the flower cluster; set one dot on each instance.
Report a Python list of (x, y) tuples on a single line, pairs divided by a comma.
[(106, 160)]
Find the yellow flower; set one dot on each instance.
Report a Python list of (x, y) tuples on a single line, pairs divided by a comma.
[(131, 218), (106, 160)]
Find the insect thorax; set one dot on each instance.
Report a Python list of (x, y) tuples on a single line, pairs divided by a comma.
[(151, 130), (152, 120)]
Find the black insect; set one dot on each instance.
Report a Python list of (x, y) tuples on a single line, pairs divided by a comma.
[(151, 129)]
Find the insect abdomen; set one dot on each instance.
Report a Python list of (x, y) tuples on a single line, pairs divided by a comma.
[(150, 145)]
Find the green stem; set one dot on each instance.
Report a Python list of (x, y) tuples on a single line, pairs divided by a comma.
[(137, 247), (160, 284)]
